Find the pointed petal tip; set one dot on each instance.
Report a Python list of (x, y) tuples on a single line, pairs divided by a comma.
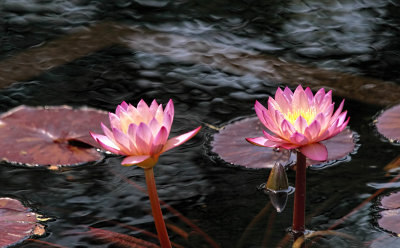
[(179, 140)]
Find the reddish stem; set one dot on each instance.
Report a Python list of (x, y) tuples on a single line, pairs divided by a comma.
[(299, 196), (156, 209)]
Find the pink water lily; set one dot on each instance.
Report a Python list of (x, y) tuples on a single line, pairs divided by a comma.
[(300, 120), (141, 133)]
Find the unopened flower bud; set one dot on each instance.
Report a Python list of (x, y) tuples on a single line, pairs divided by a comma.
[(277, 187)]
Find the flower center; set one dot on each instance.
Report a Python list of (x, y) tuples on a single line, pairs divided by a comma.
[(308, 115)]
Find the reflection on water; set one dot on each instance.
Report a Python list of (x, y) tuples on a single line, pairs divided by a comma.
[(214, 59)]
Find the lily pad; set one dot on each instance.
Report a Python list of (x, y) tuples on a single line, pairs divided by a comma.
[(231, 146), (390, 217), (388, 123), (17, 222), (57, 136)]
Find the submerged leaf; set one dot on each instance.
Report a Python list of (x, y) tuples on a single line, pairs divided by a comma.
[(388, 123), (49, 136), (17, 222), (231, 146)]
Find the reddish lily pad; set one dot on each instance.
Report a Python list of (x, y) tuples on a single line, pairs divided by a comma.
[(231, 146), (388, 124), (390, 217), (17, 222), (57, 136)]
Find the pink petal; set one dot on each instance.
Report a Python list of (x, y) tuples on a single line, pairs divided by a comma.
[(132, 160), (326, 101), (343, 126), (288, 94), (144, 111), (288, 146), (120, 109), (169, 109), (167, 122), (300, 124), (312, 131), (154, 126), (282, 100), (273, 105), (329, 111), (341, 118), (315, 151), (300, 99), (298, 139), (114, 120), (143, 139), (319, 96), (133, 113), (262, 141), (310, 95), (264, 117), (338, 111), (159, 141), (159, 114), (287, 129), (178, 140), (106, 143), (153, 107), (132, 131), (124, 105), (322, 121), (122, 140), (107, 131), (273, 138), (259, 108)]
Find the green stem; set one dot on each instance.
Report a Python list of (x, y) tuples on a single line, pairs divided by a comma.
[(156, 209), (300, 196)]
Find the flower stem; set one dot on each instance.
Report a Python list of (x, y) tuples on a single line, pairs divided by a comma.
[(156, 209), (300, 196)]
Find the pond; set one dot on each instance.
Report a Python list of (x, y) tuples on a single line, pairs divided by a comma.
[(214, 59)]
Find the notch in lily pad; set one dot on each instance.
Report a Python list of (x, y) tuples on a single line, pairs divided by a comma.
[(57, 136)]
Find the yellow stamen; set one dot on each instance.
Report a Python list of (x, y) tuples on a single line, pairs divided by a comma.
[(308, 115)]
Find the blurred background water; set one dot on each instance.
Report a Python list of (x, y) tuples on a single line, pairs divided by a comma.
[(214, 59)]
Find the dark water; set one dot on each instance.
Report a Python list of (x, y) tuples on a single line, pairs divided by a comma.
[(357, 37)]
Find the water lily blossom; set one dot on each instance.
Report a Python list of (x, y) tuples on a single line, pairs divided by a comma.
[(300, 120), (141, 133)]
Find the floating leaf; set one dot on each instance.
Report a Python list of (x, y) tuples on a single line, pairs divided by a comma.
[(388, 123), (17, 222), (231, 146), (390, 217), (57, 136)]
